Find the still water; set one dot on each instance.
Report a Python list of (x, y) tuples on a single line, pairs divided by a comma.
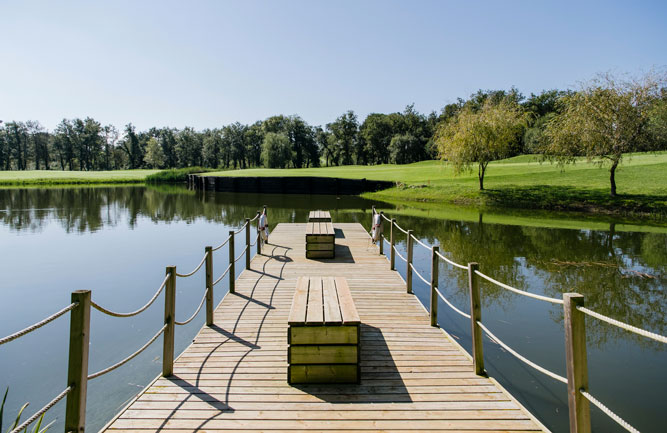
[(116, 241)]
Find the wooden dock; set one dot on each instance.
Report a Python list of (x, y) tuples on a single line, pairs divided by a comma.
[(234, 375)]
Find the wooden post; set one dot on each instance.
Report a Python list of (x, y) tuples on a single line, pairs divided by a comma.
[(259, 236), (381, 233), (392, 252), (475, 316), (232, 272), (408, 275), (247, 243), (576, 363), (209, 285), (77, 371), (169, 320), (434, 285)]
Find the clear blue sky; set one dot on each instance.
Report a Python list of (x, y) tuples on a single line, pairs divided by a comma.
[(210, 63)]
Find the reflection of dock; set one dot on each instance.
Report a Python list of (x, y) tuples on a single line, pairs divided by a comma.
[(234, 375)]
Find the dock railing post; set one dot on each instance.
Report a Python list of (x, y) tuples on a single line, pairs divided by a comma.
[(247, 243), (381, 233), (475, 316), (209, 286), (392, 251), (408, 271), (77, 371), (259, 235), (169, 320), (434, 285), (576, 363), (232, 272)]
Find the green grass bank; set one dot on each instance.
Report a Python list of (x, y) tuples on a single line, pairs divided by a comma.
[(57, 177), (520, 182)]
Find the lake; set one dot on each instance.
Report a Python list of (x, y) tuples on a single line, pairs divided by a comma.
[(117, 241)]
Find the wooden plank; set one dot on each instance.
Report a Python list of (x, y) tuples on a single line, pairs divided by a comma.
[(321, 334), (315, 312), (334, 354), (331, 373), (328, 246), (332, 313), (320, 254), (299, 302), (320, 238), (347, 307)]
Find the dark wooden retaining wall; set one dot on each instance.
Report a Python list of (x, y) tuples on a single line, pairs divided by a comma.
[(286, 185)]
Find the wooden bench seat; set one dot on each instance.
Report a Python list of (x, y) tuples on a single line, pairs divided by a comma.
[(320, 240), (323, 334), (319, 216)]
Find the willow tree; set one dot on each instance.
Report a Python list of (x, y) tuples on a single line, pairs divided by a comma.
[(605, 119), (479, 136)]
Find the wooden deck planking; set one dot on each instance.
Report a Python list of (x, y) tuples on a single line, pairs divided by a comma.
[(234, 375)]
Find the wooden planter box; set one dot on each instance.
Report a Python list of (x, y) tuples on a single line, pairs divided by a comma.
[(323, 333), (320, 241)]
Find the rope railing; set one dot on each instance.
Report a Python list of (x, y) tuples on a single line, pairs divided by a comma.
[(201, 304), (620, 421), (242, 228), (133, 313), (256, 216), (400, 228), (37, 325), (418, 274), (520, 357), (451, 262), (421, 243), (241, 255), (189, 274), (622, 325), (383, 216), (222, 244), (124, 361), (42, 411), (520, 292), (466, 315), (399, 254), (223, 275)]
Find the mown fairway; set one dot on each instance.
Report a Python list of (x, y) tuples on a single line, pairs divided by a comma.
[(522, 181), (55, 177)]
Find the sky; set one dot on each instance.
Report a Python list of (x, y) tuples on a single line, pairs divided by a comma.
[(206, 64)]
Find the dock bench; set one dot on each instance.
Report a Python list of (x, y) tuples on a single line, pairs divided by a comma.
[(320, 240), (323, 333), (319, 216)]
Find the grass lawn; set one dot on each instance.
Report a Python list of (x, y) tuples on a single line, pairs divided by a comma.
[(520, 182), (56, 177)]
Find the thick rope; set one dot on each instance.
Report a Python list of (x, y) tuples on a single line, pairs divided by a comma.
[(241, 229), (43, 410), (222, 276), (450, 261), (620, 421), (196, 312), (521, 358), (520, 292), (256, 216), (399, 227), (222, 244), (639, 331), (382, 215), (421, 243), (399, 255), (194, 271), (241, 255), (467, 316), (118, 364), (38, 325), (419, 275), (133, 313)]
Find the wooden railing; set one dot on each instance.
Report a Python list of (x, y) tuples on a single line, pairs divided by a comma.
[(575, 324), (79, 335)]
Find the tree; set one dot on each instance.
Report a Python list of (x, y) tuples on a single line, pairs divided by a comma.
[(189, 148), (345, 136), (154, 155), (132, 148), (606, 118), (479, 136), (376, 132), (404, 147), (276, 151)]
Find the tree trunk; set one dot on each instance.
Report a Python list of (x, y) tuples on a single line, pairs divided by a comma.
[(480, 175), (612, 178)]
